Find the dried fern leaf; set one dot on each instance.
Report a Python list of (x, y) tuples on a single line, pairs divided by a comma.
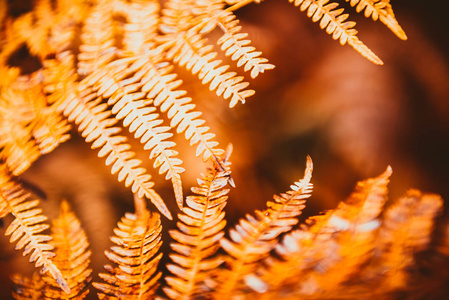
[(406, 230), (333, 246), (33, 28), (26, 288), (121, 82), (27, 227), (141, 27), (138, 239), (197, 238), (236, 46), (380, 10), (97, 39), (254, 237), (18, 148), (71, 256), (96, 125), (176, 14), (189, 50), (333, 21)]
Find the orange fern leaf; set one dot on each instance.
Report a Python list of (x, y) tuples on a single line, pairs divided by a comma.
[(188, 49), (333, 21), (26, 288), (71, 256), (137, 239), (380, 10), (197, 238), (407, 227), (27, 227), (236, 46), (332, 246), (129, 103), (97, 37), (255, 237)]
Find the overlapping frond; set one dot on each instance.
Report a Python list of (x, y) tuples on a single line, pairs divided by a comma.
[(406, 230), (380, 10), (122, 82), (197, 238), (141, 27), (138, 239), (333, 21), (97, 39), (30, 126), (71, 256), (26, 288), (190, 50), (237, 46), (332, 247), (34, 27), (254, 237), (96, 125), (27, 227)]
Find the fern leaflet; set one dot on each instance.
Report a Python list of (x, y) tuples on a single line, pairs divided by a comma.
[(197, 238), (27, 227), (138, 239), (333, 21)]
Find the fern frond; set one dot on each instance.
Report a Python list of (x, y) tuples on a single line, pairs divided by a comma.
[(27, 227), (97, 39), (96, 126), (141, 27), (138, 239), (333, 246), (255, 237), (236, 46), (197, 238), (189, 50), (26, 288), (33, 28), (333, 21), (406, 230), (121, 82), (18, 148), (49, 129), (71, 256), (380, 10)]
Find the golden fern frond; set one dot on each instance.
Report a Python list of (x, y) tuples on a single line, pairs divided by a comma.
[(333, 21), (97, 39), (33, 28), (27, 227), (236, 45), (141, 27), (188, 49), (197, 238), (406, 230), (26, 288), (254, 237), (175, 14), (332, 247), (380, 10), (18, 148), (71, 256), (76, 10), (129, 103), (49, 129), (138, 239), (96, 125)]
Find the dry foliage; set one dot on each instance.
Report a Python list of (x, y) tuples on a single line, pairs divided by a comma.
[(107, 66)]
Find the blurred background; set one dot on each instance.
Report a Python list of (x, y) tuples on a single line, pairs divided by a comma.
[(324, 100)]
